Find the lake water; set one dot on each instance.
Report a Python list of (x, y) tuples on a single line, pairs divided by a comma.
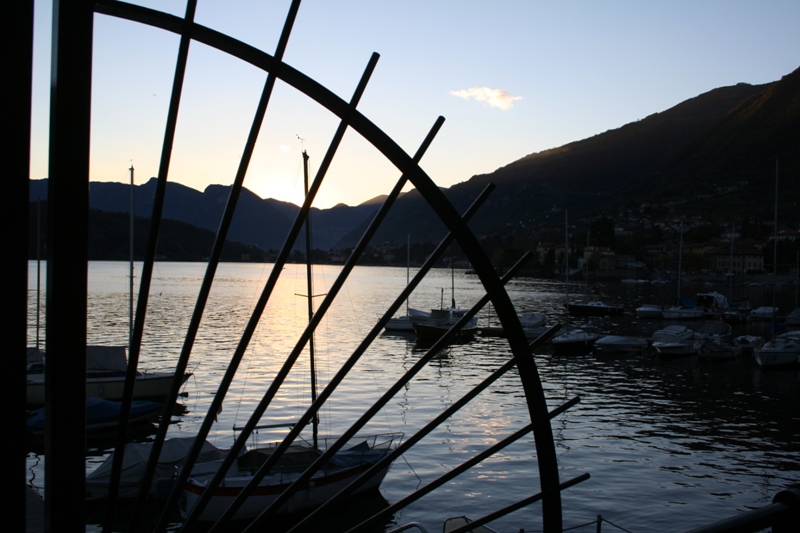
[(669, 445)]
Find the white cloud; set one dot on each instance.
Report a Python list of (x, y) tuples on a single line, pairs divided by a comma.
[(493, 97)]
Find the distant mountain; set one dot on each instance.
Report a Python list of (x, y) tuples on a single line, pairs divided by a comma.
[(257, 222), (715, 152), (713, 155)]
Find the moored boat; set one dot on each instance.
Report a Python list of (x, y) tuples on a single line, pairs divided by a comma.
[(594, 309), (341, 470), (576, 341), (781, 351), (649, 311), (405, 323), (620, 344), (105, 377), (441, 320)]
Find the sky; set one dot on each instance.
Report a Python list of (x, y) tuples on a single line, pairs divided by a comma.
[(510, 77)]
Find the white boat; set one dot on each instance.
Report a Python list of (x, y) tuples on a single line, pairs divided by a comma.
[(440, 321), (781, 351), (620, 344), (105, 376), (649, 311), (681, 312), (406, 322), (674, 341), (765, 312), (595, 309), (431, 329), (576, 341), (341, 470), (172, 457), (326, 481), (672, 332), (675, 347)]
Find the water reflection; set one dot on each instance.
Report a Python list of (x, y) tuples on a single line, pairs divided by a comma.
[(670, 445)]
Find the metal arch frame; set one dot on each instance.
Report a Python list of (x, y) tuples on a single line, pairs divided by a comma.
[(551, 502)]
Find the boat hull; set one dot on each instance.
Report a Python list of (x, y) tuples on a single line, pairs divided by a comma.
[(154, 385), (319, 490), (594, 309), (620, 344)]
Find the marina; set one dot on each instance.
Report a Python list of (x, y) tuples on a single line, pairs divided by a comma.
[(707, 439)]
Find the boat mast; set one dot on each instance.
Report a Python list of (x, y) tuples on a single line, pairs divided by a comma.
[(38, 268), (730, 263), (130, 291), (310, 288), (680, 262), (775, 251), (408, 267)]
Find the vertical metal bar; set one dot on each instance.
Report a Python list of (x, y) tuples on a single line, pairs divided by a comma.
[(144, 288), (225, 223), (67, 238), (16, 30)]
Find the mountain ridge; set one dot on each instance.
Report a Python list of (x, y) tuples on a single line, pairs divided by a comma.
[(721, 144)]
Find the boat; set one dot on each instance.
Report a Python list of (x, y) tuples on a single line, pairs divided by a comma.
[(343, 467), (597, 308), (458, 522), (673, 331), (105, 376), (627, 344), (649, 311), (171, 459), (405, 323), (765, 312), (533, 325), (431, 329), (576, 341), (737, 312), (713, 303), (101, 415), (781, 351), (793, 318), (685, 309), (674, 347), (321, 484), (674, 341), (572, 341)]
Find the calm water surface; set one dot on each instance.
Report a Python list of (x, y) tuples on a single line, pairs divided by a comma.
[(670, 445)]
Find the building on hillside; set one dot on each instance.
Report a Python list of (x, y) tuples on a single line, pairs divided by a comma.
[(747, 259)]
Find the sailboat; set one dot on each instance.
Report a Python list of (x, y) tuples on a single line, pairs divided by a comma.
[(405, 323), (343, 467), (782, 350), (575, 341), (684, 308), (431, 329), (105, 365)]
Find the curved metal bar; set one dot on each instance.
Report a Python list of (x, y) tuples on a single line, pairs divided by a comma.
[(377, 518), (369, 413), (433, 195)]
